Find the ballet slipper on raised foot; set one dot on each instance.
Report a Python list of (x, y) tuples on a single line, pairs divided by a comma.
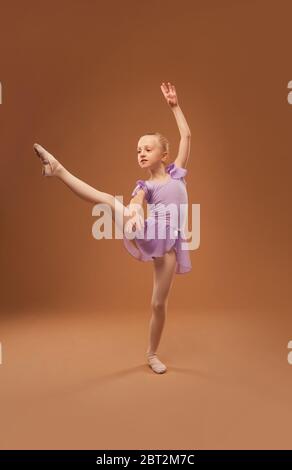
[(155, 364), (50, 163)]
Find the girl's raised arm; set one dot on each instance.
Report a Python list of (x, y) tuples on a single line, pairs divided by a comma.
[(170, 95)]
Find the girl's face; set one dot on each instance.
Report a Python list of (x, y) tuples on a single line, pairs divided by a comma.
[(149, 152)]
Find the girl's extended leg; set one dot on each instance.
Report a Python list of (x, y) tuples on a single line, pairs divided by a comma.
[(52, 167), (164, 270)]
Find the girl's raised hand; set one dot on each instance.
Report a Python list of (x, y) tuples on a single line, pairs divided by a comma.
[(169, 93)]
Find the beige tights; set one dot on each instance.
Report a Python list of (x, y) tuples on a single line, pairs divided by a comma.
[(164, 271), (52, 167)]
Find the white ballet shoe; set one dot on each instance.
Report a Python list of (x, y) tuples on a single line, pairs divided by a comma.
[(49, 162), (155, 364)]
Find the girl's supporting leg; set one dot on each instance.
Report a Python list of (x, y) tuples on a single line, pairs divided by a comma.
[(164, 271), (52, 167)]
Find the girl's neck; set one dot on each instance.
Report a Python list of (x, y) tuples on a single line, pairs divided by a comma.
[(158, 174)]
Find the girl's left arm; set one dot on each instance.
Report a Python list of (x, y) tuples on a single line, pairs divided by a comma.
[(170, 95), (185, 138)]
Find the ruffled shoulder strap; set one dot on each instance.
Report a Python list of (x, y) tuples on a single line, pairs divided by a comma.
[(175, 171), (141, 184)]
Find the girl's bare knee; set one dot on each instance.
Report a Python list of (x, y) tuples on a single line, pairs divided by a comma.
[(158, 305)]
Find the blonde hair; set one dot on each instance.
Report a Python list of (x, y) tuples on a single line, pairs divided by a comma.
[(162, 140)]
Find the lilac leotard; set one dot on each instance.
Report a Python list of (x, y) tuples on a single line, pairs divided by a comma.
[(153, 242)]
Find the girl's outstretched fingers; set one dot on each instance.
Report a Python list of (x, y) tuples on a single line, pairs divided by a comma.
[(169, 93)]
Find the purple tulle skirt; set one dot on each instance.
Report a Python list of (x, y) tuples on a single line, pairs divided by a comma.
[(147, 245)]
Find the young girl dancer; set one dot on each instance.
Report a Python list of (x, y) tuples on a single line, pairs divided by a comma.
[(166, 185)]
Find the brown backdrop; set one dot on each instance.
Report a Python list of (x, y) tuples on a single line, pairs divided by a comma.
[(83, 78)]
